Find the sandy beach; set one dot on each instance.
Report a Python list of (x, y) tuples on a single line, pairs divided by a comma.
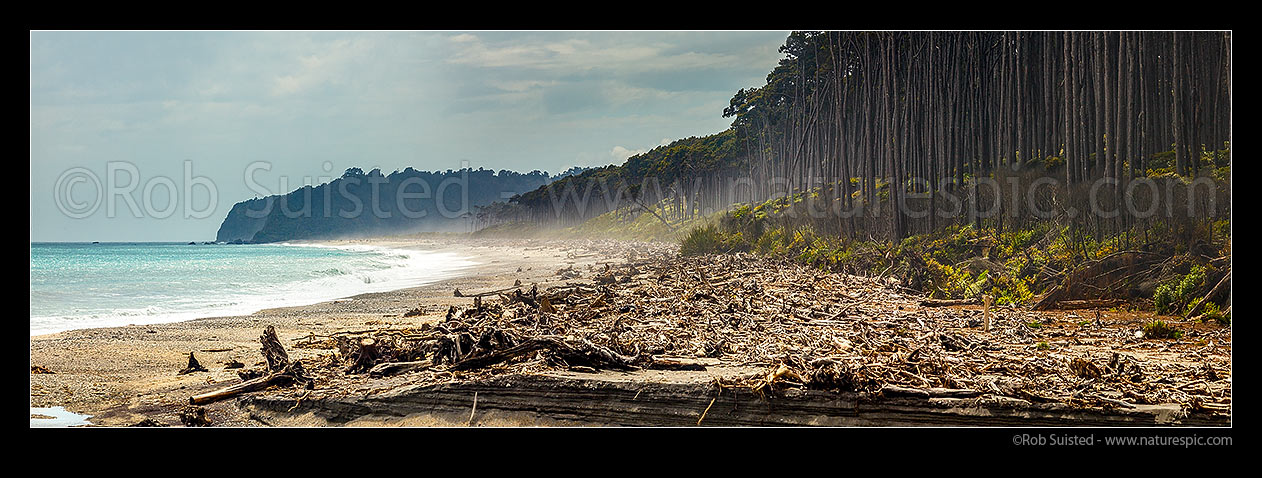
[(123, 375), (737, 330)]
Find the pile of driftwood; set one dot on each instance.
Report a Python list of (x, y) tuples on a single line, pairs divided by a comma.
[(804, 327)]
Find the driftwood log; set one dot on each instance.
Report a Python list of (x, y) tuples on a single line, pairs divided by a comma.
[(282, 372), (949, 302), (193, 366), (665, 362), (457, 293), (273, 351)]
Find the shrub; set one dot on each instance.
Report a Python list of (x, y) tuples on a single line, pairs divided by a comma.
[(1161, 330), (1174, 294), (1213, 312), (702, 240)]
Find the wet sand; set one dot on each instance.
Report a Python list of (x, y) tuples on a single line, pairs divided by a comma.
[(123, 375)]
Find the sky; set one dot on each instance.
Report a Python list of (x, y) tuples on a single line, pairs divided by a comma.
[(153, 136)]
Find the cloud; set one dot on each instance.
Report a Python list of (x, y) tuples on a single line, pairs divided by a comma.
[(621, 154), (329, 64), (602, 73)]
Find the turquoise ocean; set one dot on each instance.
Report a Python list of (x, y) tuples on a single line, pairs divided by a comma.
[(85, 285)]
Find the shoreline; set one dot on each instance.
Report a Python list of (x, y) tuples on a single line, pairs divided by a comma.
[(121, 375), (385, 244)]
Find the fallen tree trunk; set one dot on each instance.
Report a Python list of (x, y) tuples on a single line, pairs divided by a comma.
[(1213, 292), (457, 293), (243, 387), (949, 302), (682, 363), (1050, 298)]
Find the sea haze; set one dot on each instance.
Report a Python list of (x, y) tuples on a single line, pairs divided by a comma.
[(84, 285)]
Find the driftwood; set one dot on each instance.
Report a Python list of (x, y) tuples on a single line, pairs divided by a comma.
[(813, 330), (1104, 276), (932, 392), (1051, 297), (395, 368), (194, 417), (193, 366), (1213, 292), (506, 354), (581, 352), (949, 302), (365, 356), (273, 351), (243, 387), (682, 363), (283, 372), (457, 293)]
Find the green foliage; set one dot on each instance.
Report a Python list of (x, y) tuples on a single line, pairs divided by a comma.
[(708, 239), (1222, 229), (1174, 294), (1053, 162), (1214, 313), (1011, 290), (744, 220), (702, 240), (945, 281), (1158, 329), (959, 260)]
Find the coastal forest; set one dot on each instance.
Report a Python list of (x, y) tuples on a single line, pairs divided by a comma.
[(360, 204), (1031, 167)]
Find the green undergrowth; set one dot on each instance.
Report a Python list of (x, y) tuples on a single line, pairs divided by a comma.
[(1180, 292), (1015, 266)]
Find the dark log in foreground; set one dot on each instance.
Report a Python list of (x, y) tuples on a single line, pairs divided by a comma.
[(897, 391), (949, 302), (682, 363)]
